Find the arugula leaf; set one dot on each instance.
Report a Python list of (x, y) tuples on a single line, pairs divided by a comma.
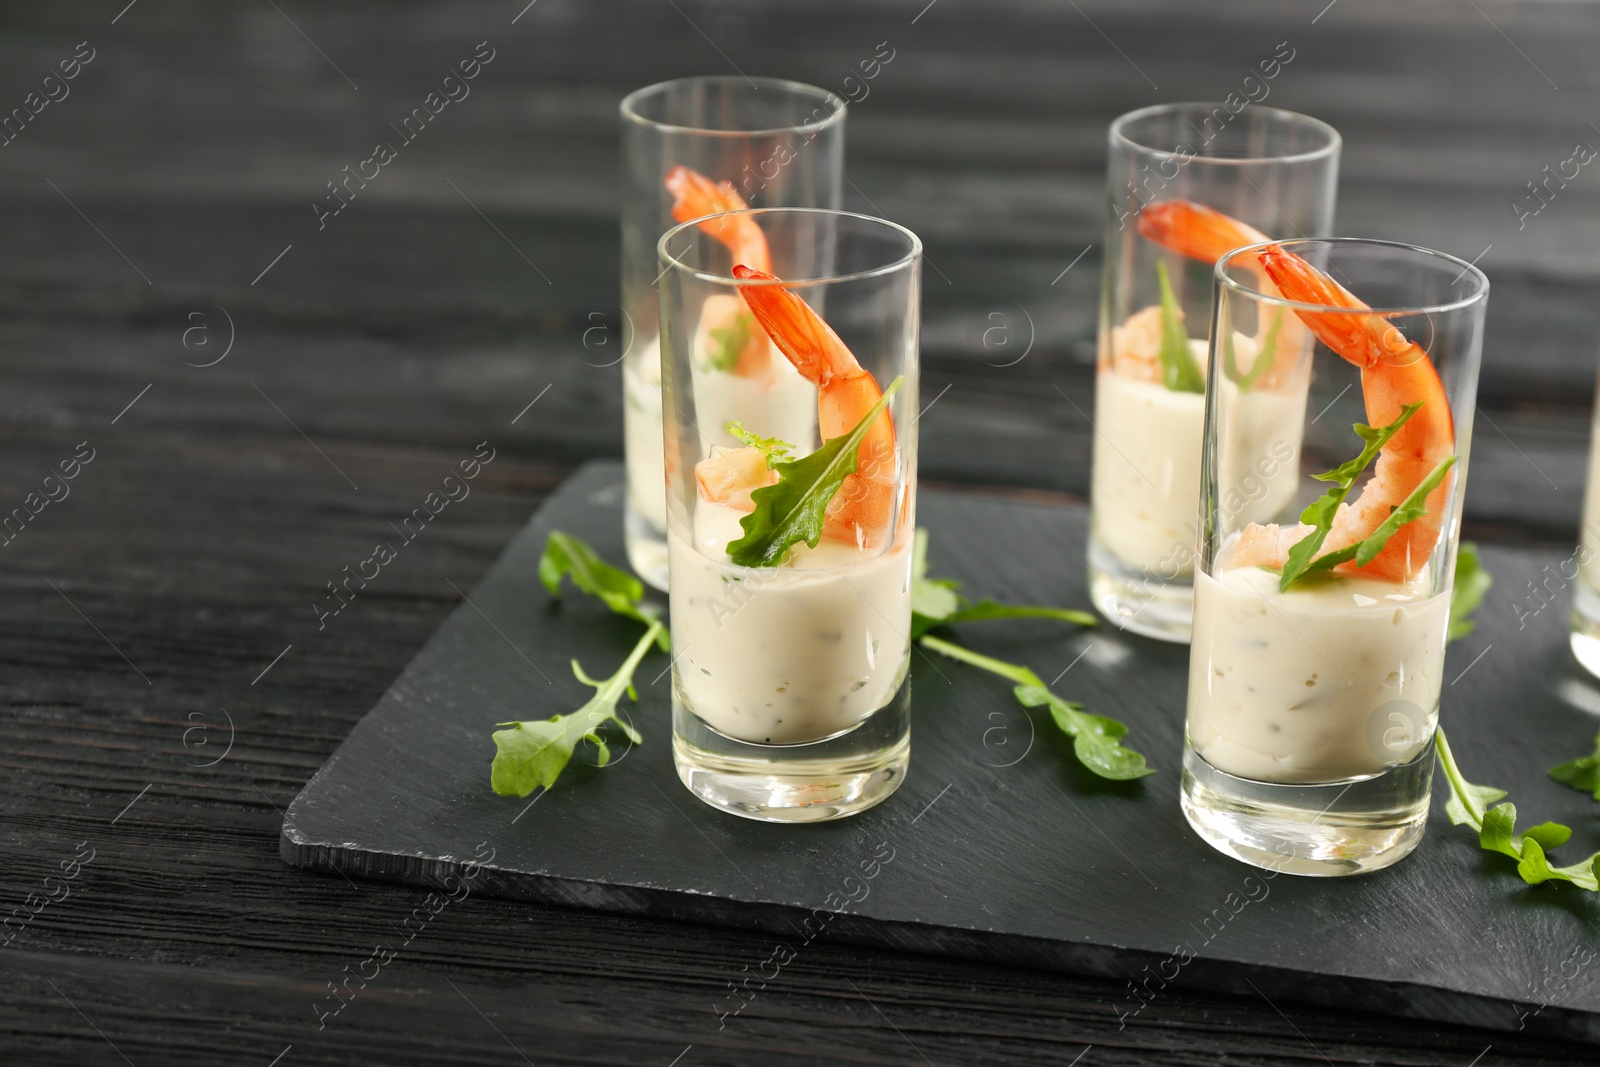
[(1497, 828), (792, 509), (1472, 582), (1096, 739), (533, 754), (1411, 509), (566, 556), (728, 342), (774, 448), (1535, 868), (1581, 774), (1178, 369), (1263, 360), (934, 601), (1321, 512), (988, 609)]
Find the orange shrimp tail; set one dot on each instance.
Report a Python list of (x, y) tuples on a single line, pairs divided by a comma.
[(1194, 230), (1364, 340), (697, 196)]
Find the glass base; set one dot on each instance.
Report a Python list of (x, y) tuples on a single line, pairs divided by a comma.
[(646, 547), (1323, 829), (1140, 602), (1586, 627), (829, 779)]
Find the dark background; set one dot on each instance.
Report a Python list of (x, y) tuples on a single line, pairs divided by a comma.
[(458, 286)]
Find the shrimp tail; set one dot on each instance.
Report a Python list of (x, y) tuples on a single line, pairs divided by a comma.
[(1194, 230), (697, 196)]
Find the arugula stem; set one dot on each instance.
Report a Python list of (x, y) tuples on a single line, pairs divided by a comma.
[(614, 686), (1457, 783), (1018, 674)]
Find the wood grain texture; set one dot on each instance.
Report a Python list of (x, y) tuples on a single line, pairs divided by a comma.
[(408, 330)]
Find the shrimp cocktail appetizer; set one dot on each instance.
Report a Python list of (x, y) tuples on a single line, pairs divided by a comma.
[(790, 533), (1189, 183), (690, 148), (1319, 633)]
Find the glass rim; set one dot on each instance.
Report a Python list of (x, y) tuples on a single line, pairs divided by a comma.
[(912, 254), (1119, 134), (629, 110), (1478, 294)]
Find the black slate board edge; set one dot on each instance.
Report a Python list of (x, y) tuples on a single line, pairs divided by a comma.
[(1130, 965), (332, 850)]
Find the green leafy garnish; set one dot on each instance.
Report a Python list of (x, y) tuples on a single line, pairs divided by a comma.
[(775, 449), (1321, 512), (1583, 773), (1263, 360), (792, 509), (1179, 372), (933, 600), (727, 342), (532, 755), (566, 556), (1472, 581), (1497, 830), (1096, 739), (1411, 509)]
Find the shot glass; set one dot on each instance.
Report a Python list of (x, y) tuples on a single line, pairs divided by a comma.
[(1275, 173), (1586, 592), (777, 144), (790, 693), (1315, 668)]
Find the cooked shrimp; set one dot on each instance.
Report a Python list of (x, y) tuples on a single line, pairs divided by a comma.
[(1136, 345), (1194, 230), (729, 475), (699, 196), (860, 511), (696, 197), (1394, 372), (1206, 234)]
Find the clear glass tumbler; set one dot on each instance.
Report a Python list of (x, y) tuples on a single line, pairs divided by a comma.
[(1318, 650), (774, 144), (1586, 592), (791, 510), (1271, 173)]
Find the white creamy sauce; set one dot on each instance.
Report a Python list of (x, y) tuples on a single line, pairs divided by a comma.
[(641, 434), (1146, 474), (782, 406), (1296, 687), (790, 654)]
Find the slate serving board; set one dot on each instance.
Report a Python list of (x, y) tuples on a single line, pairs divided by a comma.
[(998, 846)]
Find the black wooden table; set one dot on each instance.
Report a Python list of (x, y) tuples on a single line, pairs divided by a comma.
[(265, 386)]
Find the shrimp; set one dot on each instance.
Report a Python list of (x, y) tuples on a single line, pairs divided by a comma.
[(1206, 234), (698, 196), (724, 322), (860, 511), (1136, 346), (1194, 230), (1394, 372)]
